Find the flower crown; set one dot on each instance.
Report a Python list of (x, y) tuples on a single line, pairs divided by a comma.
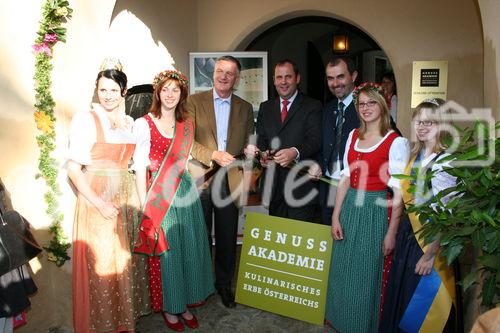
[(367, 86), (173, 74)]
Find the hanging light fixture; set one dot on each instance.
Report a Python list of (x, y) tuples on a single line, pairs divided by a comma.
[(340, 41)]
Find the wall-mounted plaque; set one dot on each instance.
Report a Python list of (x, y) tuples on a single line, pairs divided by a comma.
[(430, 80)]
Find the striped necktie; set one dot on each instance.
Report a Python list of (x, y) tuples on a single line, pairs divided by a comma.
[(338, 138)]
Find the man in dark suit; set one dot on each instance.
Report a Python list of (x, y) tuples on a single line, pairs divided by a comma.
[(339, 119), (289, 130), (223, 123)]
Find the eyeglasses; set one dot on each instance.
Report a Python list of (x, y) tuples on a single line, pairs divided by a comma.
[(370, 104), (425, 123)]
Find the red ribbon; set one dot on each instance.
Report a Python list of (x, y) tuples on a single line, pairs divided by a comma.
[(151, 240)]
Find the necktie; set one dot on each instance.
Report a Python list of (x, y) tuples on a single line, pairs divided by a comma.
[(338, 138), (284, 110)]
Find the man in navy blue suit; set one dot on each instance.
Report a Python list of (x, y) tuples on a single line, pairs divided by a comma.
[(339, 119)]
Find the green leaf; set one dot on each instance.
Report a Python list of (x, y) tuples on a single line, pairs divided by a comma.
[(453, 253), (447, 237), (492, 245), (480, 130), (476, 215), (475, 175), (469, 155), (469, 280), (490, 261), (488, 291), (478, 238), (488, 219), (402, 176), (485, 181), (466, 137), (445, 159), (489, 234), (60, 30), (492, 205), (452, 203), (466, 231)]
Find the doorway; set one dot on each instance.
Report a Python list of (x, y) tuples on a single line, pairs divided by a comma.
[(308, 41)]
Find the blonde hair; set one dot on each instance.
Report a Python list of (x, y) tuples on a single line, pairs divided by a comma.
[(435, 115), (385, 117)]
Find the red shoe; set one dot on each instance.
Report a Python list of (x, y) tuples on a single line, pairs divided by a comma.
[(196, 305), (178, 327), (191, 323)]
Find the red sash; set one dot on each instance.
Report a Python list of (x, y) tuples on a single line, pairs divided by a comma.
[(151, 240)]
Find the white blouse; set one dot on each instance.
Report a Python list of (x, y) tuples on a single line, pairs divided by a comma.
[(441, 179), (399, 154), (83, 134), (142, 136)]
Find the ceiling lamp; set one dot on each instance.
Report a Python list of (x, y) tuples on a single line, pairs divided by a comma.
[(340, 42)]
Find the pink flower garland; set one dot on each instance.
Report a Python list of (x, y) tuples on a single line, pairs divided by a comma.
[(42, 48), (50, 38), (45, 47)]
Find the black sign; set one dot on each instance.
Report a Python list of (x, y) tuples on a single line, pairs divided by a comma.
[(429, 77)]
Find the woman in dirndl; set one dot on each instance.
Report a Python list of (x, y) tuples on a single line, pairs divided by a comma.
[(366, 217), (421, 288), (110, 290), (172, 229)]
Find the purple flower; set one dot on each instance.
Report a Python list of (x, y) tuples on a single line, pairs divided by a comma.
[(50, 38), (42, 48)]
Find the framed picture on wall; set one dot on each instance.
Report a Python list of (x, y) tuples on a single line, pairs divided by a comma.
[(252, 86)]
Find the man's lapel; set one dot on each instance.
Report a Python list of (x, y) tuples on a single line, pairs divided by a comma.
[(233, 118), (276, 114), (330, 127), (208, 107)]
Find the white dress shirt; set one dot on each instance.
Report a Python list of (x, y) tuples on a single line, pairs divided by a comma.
[(222, 108), (337, 172)]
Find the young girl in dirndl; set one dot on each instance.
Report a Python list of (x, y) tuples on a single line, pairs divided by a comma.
[(363, 228)]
